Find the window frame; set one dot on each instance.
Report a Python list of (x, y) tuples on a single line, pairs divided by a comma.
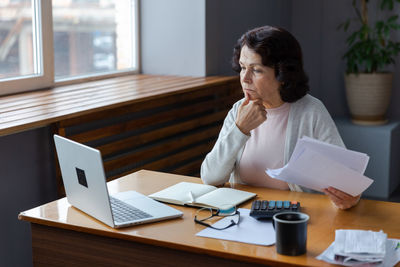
[(44, 30)]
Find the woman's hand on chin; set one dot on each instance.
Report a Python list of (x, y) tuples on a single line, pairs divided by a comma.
[(251, 114)]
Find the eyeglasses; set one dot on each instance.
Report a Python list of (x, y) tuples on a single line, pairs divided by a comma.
[(231, 214)]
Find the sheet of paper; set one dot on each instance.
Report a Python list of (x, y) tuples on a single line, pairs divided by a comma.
[(249, 230), (314, 170), (354, 160)]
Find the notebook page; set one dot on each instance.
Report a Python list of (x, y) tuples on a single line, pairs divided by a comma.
[(223, 197), (183, 192)]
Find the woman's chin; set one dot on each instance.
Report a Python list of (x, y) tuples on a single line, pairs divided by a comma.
[(250, 95)]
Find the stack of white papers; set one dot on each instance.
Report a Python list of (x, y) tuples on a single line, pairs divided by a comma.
[(359, 245), (355, 247), (318, 165)]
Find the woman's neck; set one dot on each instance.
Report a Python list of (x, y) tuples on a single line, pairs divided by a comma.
[(273, 104)]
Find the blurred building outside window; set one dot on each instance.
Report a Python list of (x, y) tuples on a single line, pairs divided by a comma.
[(89, 38)]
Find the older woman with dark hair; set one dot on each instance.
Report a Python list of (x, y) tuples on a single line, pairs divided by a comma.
[(262, 129)]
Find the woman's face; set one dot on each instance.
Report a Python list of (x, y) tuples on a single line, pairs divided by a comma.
[(257, 80)]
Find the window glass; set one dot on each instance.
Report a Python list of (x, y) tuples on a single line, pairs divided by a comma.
[(17, 47), (92, 37)]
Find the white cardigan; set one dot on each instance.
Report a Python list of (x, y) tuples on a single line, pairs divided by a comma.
[(307, 117)]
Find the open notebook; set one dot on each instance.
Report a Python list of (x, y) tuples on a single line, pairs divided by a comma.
[(201, 195)]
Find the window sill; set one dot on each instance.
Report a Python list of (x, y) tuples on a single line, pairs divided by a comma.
[(31, 110)]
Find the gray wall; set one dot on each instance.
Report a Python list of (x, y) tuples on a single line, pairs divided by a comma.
[(28, 180), (207, 30), (314, 23), (227, 20)]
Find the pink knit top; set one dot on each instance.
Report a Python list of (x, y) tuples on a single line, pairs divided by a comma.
[(265, 149)]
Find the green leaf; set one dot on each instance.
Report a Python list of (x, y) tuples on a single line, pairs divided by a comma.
[(346, 25), (386, 31), (379, 25), (387, 4), (393, 18), (370, 46), (350, 40)]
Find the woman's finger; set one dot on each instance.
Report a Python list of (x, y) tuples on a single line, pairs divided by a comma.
[(246, 98), (339, 194)]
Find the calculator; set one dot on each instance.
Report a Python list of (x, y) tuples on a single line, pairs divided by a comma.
[(265, 209)]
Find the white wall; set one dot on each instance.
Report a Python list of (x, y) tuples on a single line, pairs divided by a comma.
[(173, 37)]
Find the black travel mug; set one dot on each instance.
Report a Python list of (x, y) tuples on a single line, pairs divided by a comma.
[(291, 233)]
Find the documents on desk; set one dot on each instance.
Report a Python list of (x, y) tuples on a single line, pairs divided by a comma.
[(249, 230), (318, 165), (355, 247)]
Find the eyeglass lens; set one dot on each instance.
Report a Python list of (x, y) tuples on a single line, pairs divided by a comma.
[(213, 218)]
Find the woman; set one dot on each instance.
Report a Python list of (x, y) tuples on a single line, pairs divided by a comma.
[(262, 129)]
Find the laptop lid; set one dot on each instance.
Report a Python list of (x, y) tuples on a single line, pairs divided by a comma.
[(86, 188), (84, 179)]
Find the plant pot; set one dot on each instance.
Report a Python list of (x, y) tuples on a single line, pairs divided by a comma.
[(368, 97)]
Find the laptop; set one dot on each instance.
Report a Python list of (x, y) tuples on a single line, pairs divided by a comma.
[(86, 189)]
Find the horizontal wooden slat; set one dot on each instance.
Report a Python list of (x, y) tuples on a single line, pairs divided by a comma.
[(178, 157), (22, 101), (168, 161), (80, 102), (42, 108), (116, 86), (191, 168), (163, 148), (151, 120), (149, 104), (151, 136), (92, 95)]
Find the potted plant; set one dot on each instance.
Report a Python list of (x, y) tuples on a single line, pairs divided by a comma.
[(371, 50)]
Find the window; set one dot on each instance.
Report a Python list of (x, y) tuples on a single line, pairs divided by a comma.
[(43, 43), (17, 41)]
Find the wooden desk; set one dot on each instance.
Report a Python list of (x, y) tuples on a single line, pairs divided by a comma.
[(62, 235)]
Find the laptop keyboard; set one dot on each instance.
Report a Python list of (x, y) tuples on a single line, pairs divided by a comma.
[(123, 212)]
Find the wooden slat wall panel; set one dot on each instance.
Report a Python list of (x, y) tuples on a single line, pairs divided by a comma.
[(152, 103), (170, 130), (166, 132), (146, 121), (162, 148), (165, 163), (191, 168), (41, 108)]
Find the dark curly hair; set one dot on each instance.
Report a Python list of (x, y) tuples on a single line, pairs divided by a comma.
[(282, 52)]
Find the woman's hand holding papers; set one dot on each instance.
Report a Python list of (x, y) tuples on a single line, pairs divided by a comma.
[(341, 199)]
